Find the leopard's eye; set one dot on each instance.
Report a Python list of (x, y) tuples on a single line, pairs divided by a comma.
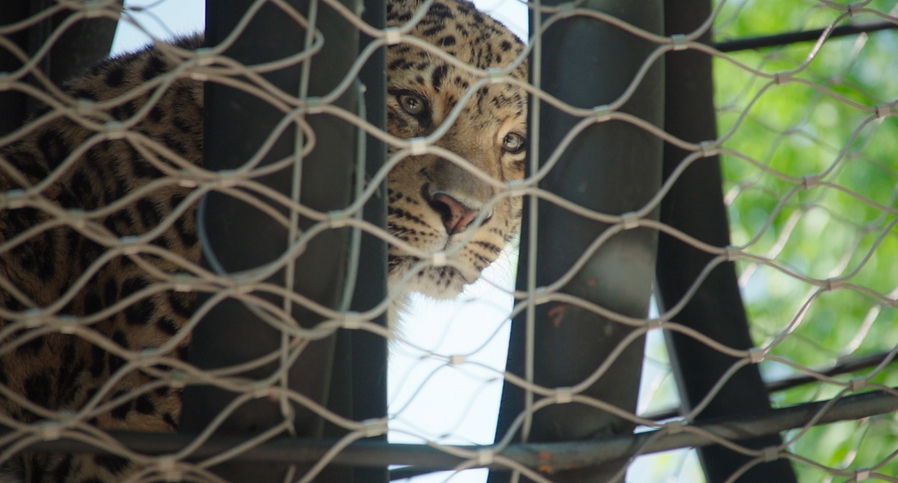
[(412, 104), (514, 143)]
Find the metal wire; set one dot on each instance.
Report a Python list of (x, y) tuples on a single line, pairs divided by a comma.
[(811, 195)]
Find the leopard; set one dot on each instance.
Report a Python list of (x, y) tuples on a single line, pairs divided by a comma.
[(67, 284)]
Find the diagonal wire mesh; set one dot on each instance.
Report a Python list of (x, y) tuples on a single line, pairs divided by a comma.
[(806, 140), (816, 253)]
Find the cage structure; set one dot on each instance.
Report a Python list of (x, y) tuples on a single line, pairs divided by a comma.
[(735, 160)]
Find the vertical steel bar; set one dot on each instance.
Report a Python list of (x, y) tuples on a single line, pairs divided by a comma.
[(369, 356), (611, 167), (12, 103), (236, 125), (84, 43), (695, 207), (359, 385)]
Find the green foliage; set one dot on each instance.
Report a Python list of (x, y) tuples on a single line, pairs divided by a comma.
[(811, 178)]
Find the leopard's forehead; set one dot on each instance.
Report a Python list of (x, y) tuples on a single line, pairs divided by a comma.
[(459, 29)]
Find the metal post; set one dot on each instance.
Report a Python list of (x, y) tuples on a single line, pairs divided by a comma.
[(236, 125), (12, 103), (695, 206), (613, 168), (359, 383), (369, 355), (84, 42)]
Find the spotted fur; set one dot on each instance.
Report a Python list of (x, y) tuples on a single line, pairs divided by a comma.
[(61, 270)]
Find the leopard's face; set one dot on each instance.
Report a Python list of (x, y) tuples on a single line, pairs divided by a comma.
[(437, 204)]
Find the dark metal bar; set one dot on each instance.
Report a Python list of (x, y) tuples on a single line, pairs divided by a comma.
[(801, 36), (369, 356), (844, 367), (695, 206), (241, 239), (12, 103), (409, 472), (547, 456), (610, 167), (84, 43), (359, 383)]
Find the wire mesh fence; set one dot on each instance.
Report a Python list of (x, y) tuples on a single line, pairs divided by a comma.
[(823, 255), (285, 379)]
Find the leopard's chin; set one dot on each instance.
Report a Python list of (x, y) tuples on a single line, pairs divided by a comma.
[(445, 282)]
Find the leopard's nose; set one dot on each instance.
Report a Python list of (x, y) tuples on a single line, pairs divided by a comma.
[(456, 216)]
